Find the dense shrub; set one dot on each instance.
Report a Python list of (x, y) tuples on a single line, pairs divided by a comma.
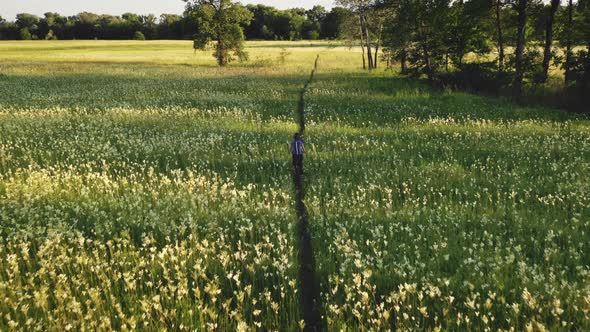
[(25, 34), (138, 36), (481, 77)]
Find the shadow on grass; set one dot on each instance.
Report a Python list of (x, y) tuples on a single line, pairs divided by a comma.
[(353, 98)]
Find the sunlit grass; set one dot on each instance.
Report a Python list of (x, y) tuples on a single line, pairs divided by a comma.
[(142, 187)]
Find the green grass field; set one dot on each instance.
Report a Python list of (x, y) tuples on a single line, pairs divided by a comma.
[(142, 187)]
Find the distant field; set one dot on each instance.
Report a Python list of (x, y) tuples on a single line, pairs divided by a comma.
[(142, 187), (156, 52)]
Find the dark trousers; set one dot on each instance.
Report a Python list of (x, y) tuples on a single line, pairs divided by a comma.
[(298, 162)]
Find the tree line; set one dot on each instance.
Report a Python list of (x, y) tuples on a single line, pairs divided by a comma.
[(265, 23), (484, 45), (490, 46)]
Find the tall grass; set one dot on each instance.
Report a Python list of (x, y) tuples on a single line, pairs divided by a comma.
[(141, 187)]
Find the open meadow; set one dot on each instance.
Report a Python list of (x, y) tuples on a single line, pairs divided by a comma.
[(143, 187)]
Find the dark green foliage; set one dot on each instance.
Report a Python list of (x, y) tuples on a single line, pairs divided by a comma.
[(476, 77), (419, 34), (220, 22), (138, 36), (27, 26), (268, 23), (312, 26), (28, 21), (450, 42), (580, 61), (332, 23), (581, 70), (50, 35), (469, 29), (25, 34)]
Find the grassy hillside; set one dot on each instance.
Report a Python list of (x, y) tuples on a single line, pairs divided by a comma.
[(143, 187)]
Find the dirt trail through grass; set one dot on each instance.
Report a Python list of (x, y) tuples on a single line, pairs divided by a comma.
[(308, 282)]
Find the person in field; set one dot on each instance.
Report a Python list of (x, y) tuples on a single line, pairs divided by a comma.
[(297, 150)]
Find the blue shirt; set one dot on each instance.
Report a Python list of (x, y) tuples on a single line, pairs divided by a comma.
[(297, 147)]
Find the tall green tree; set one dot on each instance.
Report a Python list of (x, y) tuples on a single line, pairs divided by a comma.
[(377, 26), (25, 34), (220, 22), (150, 26), (568, 40), (25, 20), (317, 14), (47, 23), (552, 10), (261, 26), (296, 23), (2, 24), (468, 28), (364, 10), (27, 24), (499, 35), (399, 29), (520, 6), (584, 29), (86, 25), (312, 27), (579, 61), (170, 26), (584, 23), (432, 30), (332, 25), (422, 35)]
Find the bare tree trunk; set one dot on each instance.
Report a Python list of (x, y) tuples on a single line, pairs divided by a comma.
[(376, 61), (427, 60), (362, 43), (375, 56), (461, 44), (363, 54), (549, 39), (219, 50), (403, 57), (423, 37), (428, 64), (219, 54), (568, 47), (521, 7), (368, 40), (500, 37)]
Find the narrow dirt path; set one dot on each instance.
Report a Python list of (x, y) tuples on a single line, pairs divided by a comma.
[(308, 282)]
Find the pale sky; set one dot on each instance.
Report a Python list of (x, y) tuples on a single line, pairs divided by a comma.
[(9, 8)]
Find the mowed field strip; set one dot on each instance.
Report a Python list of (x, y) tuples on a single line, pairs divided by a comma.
[(142, 187)]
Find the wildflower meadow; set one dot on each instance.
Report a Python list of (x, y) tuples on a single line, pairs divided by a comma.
[(144, 188)]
